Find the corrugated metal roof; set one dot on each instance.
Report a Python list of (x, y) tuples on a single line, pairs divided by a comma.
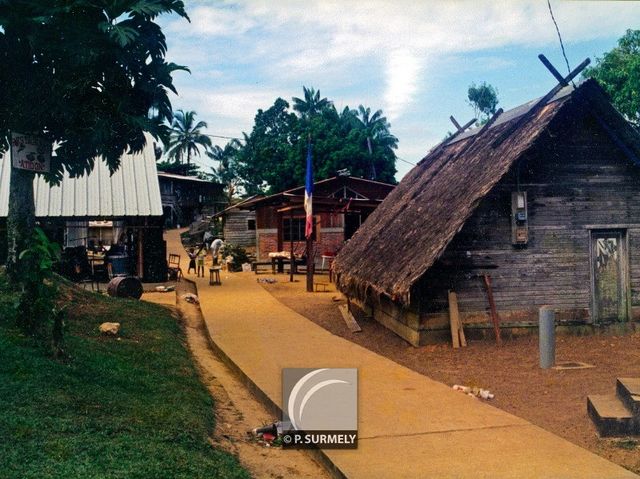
[(133, 190), (164, 174)]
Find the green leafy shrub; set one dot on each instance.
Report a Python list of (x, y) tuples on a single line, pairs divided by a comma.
[(238, 256), (35, 308)]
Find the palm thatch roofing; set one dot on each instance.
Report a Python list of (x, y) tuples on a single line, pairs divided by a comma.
[(411, 228)]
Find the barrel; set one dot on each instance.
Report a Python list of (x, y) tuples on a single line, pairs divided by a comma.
[(125, 287), (119, 263)]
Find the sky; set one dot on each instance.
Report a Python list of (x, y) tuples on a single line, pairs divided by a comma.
[(414, 59)]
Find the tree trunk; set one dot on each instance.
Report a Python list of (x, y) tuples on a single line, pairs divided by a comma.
[(373, 166), (21, 219)]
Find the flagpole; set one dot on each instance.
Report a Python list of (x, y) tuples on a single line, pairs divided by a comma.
[(309, 224)]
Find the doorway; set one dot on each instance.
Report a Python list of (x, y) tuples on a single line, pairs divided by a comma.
[(609, 276)]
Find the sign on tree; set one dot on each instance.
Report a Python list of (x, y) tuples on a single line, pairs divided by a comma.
[(30, 152)]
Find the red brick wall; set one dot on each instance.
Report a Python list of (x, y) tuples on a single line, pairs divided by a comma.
[(267, 243), (327, 241)]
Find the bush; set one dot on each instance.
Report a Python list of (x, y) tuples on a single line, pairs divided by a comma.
[(238, 256)]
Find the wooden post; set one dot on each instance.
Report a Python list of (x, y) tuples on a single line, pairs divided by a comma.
[(457, 333), (141, 251), (310, 264), (453, 319), (292, 258), (495, 319)]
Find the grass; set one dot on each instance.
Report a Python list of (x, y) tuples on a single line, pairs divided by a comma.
[(128, 408)]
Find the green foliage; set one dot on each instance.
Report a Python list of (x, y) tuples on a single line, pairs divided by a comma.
[(312, 103), (483, 99), (186, 137), (618, 72), (273, 157), (131, 408), (228, 170), (35, 306), (238, 255), (88, 76)]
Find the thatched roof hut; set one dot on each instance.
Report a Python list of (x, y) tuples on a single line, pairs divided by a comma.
[(410, 230)]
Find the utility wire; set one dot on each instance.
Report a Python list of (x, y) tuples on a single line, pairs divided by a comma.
[(406, 161), (224, 137), (564, 54)]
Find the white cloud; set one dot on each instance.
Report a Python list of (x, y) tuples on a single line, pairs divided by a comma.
[(322, 39), (381, 53), (239, 104), (402, 73)]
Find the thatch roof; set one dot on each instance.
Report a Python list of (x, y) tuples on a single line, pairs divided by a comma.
[(409, 231)]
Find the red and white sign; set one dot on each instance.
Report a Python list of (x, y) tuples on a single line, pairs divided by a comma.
[(30, 152)]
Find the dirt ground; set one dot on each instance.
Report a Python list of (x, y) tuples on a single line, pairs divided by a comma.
[(552, 399), (237, 410)]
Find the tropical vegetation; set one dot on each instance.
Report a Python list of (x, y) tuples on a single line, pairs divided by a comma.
[(272, 157), (89, 77), (186, 137), (483, 98), (618, 71)]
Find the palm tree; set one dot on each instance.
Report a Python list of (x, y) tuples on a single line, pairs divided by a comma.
[(376, 128), (227, 170), (185, 137), (311, 105)]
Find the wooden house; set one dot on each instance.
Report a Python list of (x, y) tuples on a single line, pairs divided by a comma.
[(238, 225), (122, 208), (340, 205), (544, 202), (186, 198)]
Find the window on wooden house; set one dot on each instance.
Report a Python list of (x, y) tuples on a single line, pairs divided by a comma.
[(251, 225), (293, 229)]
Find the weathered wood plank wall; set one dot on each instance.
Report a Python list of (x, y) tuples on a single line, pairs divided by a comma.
[(575, 181), (236, 228)]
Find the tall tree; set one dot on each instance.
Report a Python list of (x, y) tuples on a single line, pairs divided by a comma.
[(311, 104), (186, 137), (376, 128), (483, 98), (618, 71), (227, 172), (88, 76), (271, 158), (264, 157)]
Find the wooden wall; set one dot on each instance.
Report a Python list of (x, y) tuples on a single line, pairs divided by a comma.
[(576, 181), (236, 230)]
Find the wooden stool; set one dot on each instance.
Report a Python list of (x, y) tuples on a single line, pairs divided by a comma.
[(214, 272)]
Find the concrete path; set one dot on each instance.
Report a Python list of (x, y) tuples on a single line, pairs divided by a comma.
[(409, 425)]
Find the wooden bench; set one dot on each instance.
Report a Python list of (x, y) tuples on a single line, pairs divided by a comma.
[(256, 264)]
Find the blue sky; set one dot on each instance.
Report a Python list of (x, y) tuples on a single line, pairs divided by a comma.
[(412, 59)]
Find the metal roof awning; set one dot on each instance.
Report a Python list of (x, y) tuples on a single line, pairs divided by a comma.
[(133, 190)]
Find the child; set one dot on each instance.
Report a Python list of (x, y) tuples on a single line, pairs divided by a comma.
[(192, 260), (202, 254)]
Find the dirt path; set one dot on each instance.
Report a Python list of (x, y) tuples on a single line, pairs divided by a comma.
[(553, 400), (237, 411)]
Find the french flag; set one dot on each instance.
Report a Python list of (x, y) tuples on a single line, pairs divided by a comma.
[(308, 195)]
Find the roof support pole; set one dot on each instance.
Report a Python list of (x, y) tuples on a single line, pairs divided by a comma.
[(291, 257)]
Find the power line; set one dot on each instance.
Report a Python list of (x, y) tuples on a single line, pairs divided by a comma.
[(406, 161), (564, 54), (224, 137)]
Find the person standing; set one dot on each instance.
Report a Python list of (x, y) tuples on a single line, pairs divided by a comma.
[(215, 249), (202, 254), (207, 238)]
